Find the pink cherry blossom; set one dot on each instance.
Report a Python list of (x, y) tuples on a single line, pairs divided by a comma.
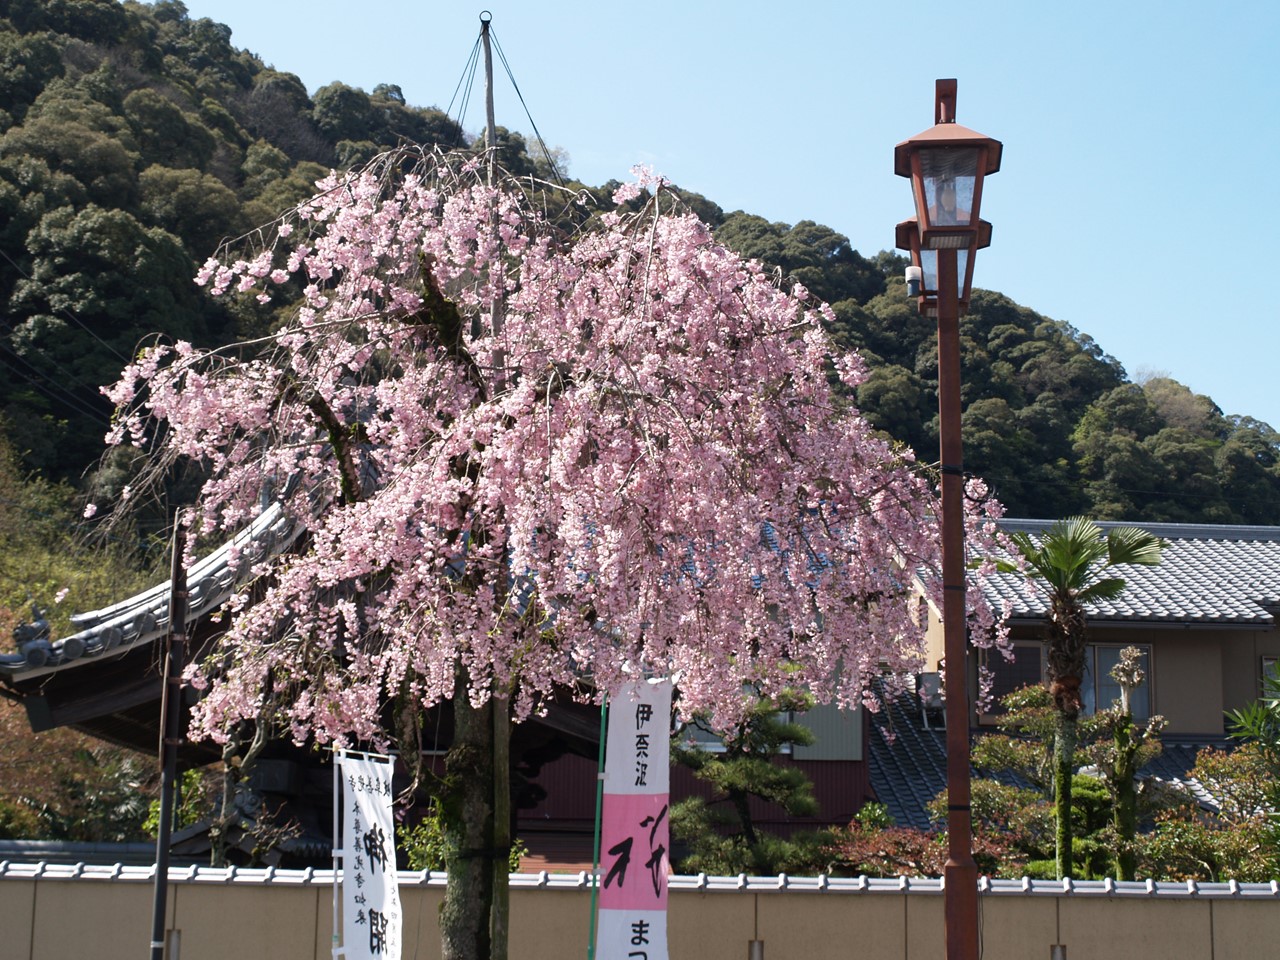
[(545, 459)]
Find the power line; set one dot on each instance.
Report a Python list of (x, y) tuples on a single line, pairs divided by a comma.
[(66, 312), (44, 383), (1082, 486), (51, 389)]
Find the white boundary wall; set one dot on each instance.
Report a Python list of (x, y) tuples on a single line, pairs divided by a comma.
[(60, 912)]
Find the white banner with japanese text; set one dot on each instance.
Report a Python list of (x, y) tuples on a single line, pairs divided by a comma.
[(635, 830), (371, 915)]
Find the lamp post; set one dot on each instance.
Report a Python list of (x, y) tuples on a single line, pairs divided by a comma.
[(947, 164)]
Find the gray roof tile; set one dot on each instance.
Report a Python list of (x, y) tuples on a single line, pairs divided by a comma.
[(1227, 575), (908, 763)]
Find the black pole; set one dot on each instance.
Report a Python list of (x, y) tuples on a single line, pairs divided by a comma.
[(170, 734)]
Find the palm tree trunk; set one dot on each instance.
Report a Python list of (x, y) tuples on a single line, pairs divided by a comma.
[(1064, 748)]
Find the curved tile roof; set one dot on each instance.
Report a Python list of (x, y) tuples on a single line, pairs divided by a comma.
[(145, 616), (1210, 574)]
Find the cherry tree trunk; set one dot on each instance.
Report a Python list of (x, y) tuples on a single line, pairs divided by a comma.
[(473, 917)]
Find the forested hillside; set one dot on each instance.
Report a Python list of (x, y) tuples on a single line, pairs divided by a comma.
[(133, 139)]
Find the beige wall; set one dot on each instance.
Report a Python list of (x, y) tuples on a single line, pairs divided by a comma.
[(1242, 664), (1187, 681), (935, 641), (838, 734), (56, 919)]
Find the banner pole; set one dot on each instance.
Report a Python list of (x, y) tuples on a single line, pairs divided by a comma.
[(337, 791), (595, 853)]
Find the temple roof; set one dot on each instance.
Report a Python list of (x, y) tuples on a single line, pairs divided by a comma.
[(139, 620)]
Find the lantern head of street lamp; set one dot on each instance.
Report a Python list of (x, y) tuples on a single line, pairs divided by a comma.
[(946, 165), (924, 284)]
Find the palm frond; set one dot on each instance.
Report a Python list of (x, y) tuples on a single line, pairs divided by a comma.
[(1072, 556), (1131, 545), (1106, 589), (1067, 552)]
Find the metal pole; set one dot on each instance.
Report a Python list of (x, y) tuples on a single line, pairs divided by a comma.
[(499, 706), (171, 734), (960, 875), (491, 128), (499, 915), (337, 851), (595, 848)]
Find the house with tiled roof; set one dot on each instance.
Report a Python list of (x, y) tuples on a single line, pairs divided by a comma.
[(1205, 620)]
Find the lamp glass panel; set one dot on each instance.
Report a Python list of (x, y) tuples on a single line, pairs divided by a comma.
[(929, 266), (950, 175)]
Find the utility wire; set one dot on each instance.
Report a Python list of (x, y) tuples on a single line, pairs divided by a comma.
[(39, 379), (65, 312), (994, 479), (465, 83), (50, 389)]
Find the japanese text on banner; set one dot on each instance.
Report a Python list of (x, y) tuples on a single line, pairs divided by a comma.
[(371, 913), (635, 830)]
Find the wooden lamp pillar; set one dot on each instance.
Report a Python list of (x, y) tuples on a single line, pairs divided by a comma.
[(946, 165)]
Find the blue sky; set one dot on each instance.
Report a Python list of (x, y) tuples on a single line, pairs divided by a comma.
[(1128, 203)]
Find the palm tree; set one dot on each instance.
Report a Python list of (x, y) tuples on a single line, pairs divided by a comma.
[(1259, 722), (1072, 563)]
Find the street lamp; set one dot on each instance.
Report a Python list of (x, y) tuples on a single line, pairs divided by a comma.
[(947, 164)]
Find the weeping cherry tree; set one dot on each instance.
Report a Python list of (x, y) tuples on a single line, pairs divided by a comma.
[(527, 461)]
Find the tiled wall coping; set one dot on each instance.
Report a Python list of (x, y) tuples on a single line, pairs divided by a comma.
[(701, 883)]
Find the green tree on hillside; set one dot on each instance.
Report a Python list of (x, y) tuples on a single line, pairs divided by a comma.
[(141, 109), (808, 253)]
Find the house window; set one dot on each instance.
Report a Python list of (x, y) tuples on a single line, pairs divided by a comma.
[(695, 736), (1007, 676), (1099, 691), (1270, 670)]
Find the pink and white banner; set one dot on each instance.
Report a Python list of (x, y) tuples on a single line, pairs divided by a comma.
[(635, 829)]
